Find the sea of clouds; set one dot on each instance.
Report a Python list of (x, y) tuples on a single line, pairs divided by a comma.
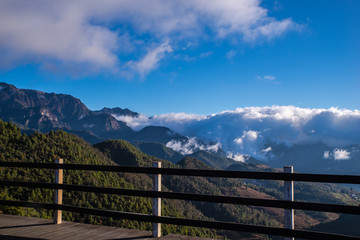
[(251, 131)]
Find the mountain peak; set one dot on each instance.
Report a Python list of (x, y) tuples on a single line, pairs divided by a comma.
[(125, 154), (41, 111), (119, 112)]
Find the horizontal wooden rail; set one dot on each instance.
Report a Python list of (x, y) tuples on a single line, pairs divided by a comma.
[(285, 204), (299, 177), (346, 209), (185, 222)]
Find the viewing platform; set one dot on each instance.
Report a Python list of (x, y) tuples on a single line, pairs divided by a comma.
[(21, 228), (28, 228)]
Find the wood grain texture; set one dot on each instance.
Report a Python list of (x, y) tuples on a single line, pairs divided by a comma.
[(156, 207), (27, 228), (58, 195), (289, 196)]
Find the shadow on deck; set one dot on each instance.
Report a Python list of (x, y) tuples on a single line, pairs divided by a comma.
[(27, 228)]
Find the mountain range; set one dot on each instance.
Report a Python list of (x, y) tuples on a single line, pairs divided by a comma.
[(38, 111), (38, 147), (35, 111)]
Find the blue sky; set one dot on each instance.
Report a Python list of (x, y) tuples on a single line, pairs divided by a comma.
[(198, 57)]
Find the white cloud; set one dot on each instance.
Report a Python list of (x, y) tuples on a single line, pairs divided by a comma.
[(272, 29), (133, 122), (266, 150), (213, 148), (93, 34), (337, 154), (326, 155), (341, 154), (151, 60), (43, 31), (176, 121), (249, 136), (192, 145), (238, 141), (178, 146), (245, 18), (237, 157), (256, 127), (268, 79)]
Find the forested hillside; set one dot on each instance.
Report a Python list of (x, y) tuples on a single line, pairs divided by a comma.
[(124, 153), (38, 147)]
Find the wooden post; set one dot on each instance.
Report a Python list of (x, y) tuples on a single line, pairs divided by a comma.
[(289, 196), (58, 192), (156, 207)]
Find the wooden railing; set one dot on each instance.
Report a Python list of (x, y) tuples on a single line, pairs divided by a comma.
[(157, 194)]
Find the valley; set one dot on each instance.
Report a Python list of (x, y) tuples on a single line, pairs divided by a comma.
[(40, 127)]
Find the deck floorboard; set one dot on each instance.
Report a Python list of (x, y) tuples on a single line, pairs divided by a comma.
[(14, 227)]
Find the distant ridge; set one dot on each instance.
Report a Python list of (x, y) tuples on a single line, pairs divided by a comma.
[(119, 111), (38, 111)]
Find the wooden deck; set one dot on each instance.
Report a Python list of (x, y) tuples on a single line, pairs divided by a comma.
[(26, 228)]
